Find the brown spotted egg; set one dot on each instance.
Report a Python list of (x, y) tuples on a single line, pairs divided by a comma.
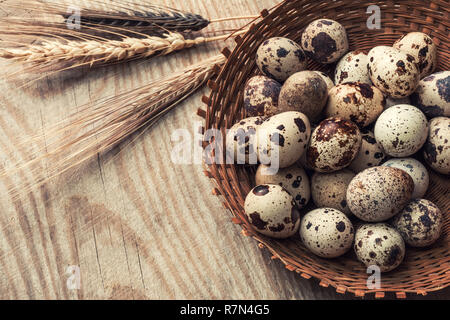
[(355, 101), (379, 245), (261, 96), (282, 139), (379, 193), (352, 68), (326, 78), (416, 170), (437, 146), (330, 189), (279, 58), (304, 91), (420, 223), (421, 47), (241, 141), (325, 40), (333, 145), (294, 179), (272, 211), (327, 232), (432, 96), (401, 130), (392, 71), (370, 154)]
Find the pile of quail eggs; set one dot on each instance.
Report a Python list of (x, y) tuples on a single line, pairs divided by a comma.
[(350, 142)]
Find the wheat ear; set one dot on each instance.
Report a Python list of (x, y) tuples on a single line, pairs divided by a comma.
[(97, 127)]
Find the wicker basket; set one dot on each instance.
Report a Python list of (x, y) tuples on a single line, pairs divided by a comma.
[(423, 270)]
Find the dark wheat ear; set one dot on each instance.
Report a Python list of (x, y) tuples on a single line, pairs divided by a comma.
[(141, 17)]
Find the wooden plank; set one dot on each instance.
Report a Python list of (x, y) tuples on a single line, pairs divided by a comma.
[(137, 226)]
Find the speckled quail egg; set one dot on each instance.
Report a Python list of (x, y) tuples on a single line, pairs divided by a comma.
[(327, 232), (377, 194), (370, 154), (401, 130), (432, 95), (279, 58), (272, 211), (294, 179), (420, 223), (326, 78), (333, 145), (241, 140), (283, 138), (352, 68), (392, 71), (304, 91), (390, 102), (261, 96), (421, 47), (379, 245), (355, 101), (416, 170), (437, 146), (330, 189), (325, 40)]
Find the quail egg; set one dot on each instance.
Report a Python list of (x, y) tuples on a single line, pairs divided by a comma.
[(416, 170), (392, 71), (333, 145), (261, 96), (327, 232), (272, 211), (437, 146), (352, 68), (355, 101), (401, 130), (432, 96), (279, 58), (304, 91), (377, 194), (379, 245), (370, 154), (420, 223), (421, 47), (294, 179), (283, 138), (325, 40), (330, 189), (241, 141), (326, 78)]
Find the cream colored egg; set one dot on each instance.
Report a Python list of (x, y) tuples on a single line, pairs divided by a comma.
[(437, 147), (279, 58), (432, 96), (416, 170), (401, 130), (421, 47), (241, 141), (370, 154), (261, 96), (325, 40), (377, 194), (272, 211), (333, 145), (352, 68), (330, 189), (392, 71), (379, 245), (294, 179), (355, 101), (283, 138)]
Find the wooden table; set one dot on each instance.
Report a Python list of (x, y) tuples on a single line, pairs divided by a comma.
[(136, 225)]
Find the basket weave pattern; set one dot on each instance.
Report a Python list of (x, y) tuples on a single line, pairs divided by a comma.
[(423, 270)]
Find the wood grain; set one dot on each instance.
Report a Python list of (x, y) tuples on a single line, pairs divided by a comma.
[(137, 225)]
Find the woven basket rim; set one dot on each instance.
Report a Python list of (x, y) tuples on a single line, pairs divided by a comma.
[(225, 176)]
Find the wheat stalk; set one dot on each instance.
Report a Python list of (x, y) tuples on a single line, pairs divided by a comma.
[(98, 127)]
